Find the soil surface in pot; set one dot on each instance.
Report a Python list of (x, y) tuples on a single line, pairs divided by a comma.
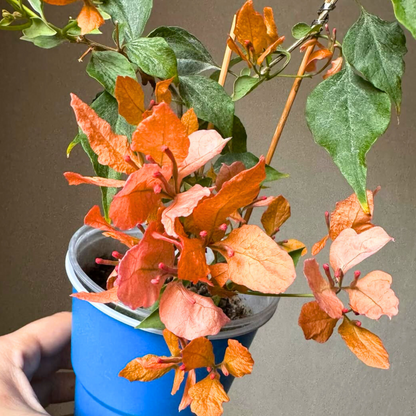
[(233, 307)]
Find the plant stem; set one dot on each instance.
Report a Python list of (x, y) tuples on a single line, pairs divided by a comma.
[(281, 295), (285, 114)]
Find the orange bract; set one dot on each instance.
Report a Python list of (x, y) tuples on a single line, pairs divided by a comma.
[(177, 381), (77, 179), (106, 296), (322, 290), (257, 34), (277, 213), (186, 398), (256, 261), (89, 18), (172, 341), (236, 193), (237, 359), (371, 296), (162, 128), (162, 92), (367, 346), (189, 315), (228, 172), (204, 145), (96, 220), (130, 98), (316, 324), (198, 353), (111, 148), (190, 121), (140, 266), (207, 397), (219, 273), (350, 248), (192, 264), (182, 206), (250, 26), (146, 368), (137, 200), (336, 66), (347, 214)]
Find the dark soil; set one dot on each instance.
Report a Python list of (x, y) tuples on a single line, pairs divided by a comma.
[(233, 307), (99, 273)]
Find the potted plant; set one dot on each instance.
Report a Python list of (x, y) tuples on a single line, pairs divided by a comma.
[(171, 281)]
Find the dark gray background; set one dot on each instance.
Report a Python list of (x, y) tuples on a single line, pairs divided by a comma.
[(292, 377)]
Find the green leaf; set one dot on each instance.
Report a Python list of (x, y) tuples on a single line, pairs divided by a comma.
[(243, 85), (37, 6), (152, 321), (7, 20), (346, 115), (107, 108), (153, 56), (376, 48), (74, 142), (249, 161), (106, 66), (296, 255), (132, 16), (38, 28), (209, 101), (76, 31), (405, 11), (238, 143), (300, 30), (245, 71), (193, 58), (45, 42)]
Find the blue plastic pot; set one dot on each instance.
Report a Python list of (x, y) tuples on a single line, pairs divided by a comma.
[(104, 340)]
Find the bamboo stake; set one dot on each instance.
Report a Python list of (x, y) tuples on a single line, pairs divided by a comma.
[(288, 106), (285, 114)]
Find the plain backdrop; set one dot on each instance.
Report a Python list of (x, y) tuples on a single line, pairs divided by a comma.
[(39, 212)]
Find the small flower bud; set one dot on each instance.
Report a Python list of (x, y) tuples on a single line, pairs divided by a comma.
[(150, 159), (357, 274), (356, 313), (203, 234), (327, 220), (212, 376), (358, 323), (209, 369), (182, 367), (117, 255), (151, 104), (326, 267), (157, 189), (345, 310), (105, 262), (155, 281), (223, 227)]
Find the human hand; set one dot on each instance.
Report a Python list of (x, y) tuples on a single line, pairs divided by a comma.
[(30, 360)]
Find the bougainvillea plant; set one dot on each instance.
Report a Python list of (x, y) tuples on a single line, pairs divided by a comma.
[(176, 167)]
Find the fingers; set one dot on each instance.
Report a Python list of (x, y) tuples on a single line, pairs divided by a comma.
[(51, 365), (46, 340), (59, 388), (52, 333)]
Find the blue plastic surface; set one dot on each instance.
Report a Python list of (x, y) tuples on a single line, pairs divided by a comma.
[(101, 348)]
